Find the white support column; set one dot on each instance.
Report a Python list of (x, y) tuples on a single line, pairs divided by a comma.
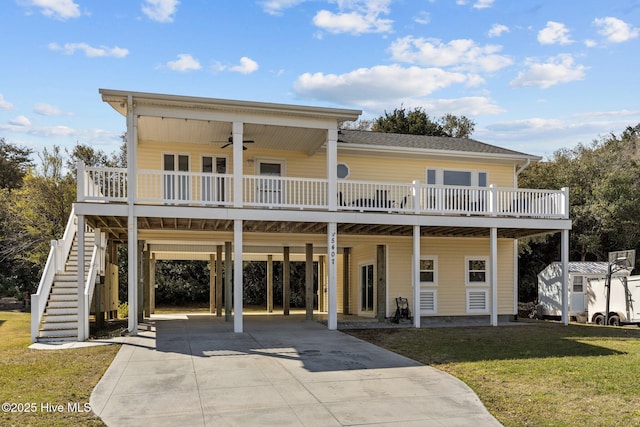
[(132, 289), (493, 270), (132, 150), (515, 277), (332, 168), (332, 275), (564, 259), (82, 307), (132, 225), (269, 283), (415, 275), (237, 163), (237, 276)]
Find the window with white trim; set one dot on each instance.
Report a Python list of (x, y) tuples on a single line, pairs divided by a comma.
[(468, 178), (476, 271), (429, 270), (577, 284)]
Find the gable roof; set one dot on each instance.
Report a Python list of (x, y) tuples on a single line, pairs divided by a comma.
[(425, 143), (591, 267)]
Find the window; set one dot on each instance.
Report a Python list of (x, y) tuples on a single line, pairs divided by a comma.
[(428, 271), (476, 271), (343, 170), (577, 283), (456, 177), (213, 187)]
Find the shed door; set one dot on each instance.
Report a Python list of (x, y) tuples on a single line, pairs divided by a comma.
[(578, 294)]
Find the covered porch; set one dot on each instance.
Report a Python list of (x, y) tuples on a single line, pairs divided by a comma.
[(230, 240)]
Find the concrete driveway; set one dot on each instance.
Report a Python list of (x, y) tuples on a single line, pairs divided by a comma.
[(194, 371)]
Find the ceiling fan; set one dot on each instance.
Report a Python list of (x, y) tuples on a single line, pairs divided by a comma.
[(229, 142)]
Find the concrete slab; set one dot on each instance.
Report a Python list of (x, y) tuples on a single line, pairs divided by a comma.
[(194, 371)]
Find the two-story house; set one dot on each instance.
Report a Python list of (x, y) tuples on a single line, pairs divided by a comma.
[(432, 219)]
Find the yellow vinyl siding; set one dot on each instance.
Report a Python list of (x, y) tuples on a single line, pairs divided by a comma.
[(389, 169), (300, 164), (451, 288)]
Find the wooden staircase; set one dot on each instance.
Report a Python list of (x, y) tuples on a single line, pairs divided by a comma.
[(60, 320)]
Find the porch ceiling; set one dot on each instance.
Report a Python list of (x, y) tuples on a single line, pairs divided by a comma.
[(217, 134), (117, 228)]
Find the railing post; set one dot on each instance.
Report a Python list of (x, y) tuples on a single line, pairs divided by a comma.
[(493, 200), (565, 202), (416, 196), (35, 322), (80, 181)]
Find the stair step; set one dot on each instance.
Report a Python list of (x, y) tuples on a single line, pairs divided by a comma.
[(60, 318), (59, 326), (57, 339), (64, 278), (60, 311), (63, 304), (59, 333), (64, 290), (63, 297)]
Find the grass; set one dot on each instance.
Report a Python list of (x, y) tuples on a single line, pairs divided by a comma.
[(57, 377), (539, 374)]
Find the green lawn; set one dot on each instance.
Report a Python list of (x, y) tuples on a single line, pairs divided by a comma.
[(540, 374), (31, 379)]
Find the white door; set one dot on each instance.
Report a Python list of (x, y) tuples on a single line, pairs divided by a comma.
[(367, 289), (577, 294), (213, 187), (269, 190), (176, 185)]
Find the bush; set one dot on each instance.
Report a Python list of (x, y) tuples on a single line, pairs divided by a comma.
[(123, 310)]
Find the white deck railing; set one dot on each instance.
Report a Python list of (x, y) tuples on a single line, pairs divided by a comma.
[(212, 189)]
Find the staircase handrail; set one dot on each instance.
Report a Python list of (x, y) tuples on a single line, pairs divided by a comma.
[(96, 266), (55, 262)]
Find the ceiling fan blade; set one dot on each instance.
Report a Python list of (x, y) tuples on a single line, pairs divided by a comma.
[(226, 145)]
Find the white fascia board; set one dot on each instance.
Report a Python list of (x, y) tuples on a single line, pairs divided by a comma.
[(341, 114), (408, 151), (350, 217), (101, 209)]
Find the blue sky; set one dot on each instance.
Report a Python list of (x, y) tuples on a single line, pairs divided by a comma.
[(535, 76)]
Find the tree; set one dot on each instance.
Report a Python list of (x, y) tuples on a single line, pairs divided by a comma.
[(14, 162), (418, 122), (604, 195)]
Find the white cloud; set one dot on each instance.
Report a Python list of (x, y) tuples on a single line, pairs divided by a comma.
[(558, 69), (47, 110), (462, 53), (497, 30), (275, 7), (185, 62), (60, 131), (160, 10), (615, 30), (467, 106), (422, 18), (554, 33), (20, 121), (4, 104), (355, 17), (483, 4), (382, 84), (247, 66), (58, 9), (90, 51), (543, 136), (590, 43)]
